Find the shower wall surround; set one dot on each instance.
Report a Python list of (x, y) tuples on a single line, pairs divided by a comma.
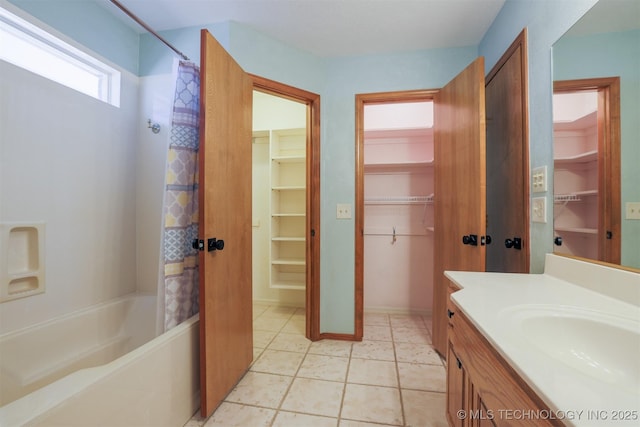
[(69, 160)]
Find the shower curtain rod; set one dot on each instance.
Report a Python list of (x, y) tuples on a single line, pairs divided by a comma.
[(148, 28)]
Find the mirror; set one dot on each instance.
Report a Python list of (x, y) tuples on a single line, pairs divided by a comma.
[(604, 43)]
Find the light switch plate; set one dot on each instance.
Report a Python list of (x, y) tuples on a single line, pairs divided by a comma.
[(539, 179), (343, 211), (632, 210), (539, 208)]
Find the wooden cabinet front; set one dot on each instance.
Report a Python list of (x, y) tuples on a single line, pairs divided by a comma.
[(482, 388)]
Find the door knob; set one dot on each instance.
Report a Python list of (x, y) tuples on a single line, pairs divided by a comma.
[(557, 241), (215, 245), (515, 243), (471, 239)]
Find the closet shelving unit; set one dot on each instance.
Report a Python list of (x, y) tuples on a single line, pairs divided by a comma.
[(398, 174), (576, 183), (288, 209)]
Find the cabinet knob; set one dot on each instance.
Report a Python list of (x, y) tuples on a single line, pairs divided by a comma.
[(450, 313)]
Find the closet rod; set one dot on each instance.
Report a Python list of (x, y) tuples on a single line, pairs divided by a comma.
[(148, 28)]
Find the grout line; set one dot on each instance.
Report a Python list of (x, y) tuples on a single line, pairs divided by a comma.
[(344, 386), (395, 357)]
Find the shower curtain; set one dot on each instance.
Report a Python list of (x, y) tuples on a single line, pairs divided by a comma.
[(181, 200)]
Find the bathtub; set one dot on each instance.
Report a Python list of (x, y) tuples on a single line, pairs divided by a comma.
[(101, 366)]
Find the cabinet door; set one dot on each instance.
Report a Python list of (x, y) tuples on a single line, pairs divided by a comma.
[(456, 389), (460, 185)]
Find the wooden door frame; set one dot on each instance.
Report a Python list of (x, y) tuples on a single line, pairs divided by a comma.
[(312, 101), (520, 42), (361, 101), (609, 145)]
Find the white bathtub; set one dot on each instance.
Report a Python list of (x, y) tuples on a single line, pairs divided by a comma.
[(100, 366)]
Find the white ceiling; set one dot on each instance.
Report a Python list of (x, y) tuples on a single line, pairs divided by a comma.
[(329, 28)]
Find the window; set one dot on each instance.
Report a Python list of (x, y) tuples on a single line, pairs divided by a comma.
[(27, 46)]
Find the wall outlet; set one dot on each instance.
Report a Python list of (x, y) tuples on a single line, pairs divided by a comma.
[(539, 179), (343, 211), (632, 210), (539, 208)]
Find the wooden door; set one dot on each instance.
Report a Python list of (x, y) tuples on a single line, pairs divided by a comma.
[(226, 340), (508, 161), (460, 187)]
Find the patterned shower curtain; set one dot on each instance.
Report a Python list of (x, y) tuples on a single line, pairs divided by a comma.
[(181, 201)]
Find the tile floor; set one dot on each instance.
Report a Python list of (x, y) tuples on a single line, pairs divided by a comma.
[(392, 378)]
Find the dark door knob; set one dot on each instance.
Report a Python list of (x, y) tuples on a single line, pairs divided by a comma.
[(471, 239), (215, 245), (557, 241), (515, 243)]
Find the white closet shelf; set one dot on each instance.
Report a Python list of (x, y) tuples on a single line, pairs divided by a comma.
[(288, 215), (289, 159), (574, 197), (588, 156), (288, 284), (398, 166), (288, 187), (580, 230), (398, 200), (288, 261), (288, 239)]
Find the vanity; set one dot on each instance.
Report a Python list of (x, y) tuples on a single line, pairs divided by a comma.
[(560, 348)]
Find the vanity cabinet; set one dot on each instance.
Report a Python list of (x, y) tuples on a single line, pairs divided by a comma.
[(482, 388)]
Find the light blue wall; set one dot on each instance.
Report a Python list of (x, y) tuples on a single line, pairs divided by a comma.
[(546, 21), (608, 55), (347, 77), (90, 25)]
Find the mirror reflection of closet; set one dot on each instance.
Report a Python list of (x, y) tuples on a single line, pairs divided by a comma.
[(601, 52), (575, 136)]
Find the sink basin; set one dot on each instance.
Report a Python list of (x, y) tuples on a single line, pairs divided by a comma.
[(604, 347)]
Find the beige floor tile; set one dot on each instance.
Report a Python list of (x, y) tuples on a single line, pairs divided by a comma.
[(377, 333), (273, 324), (295, 326), (378, 350), (290, 342), (262, 339), (423, 408), (322, 367), (351, 423), (422, 377), (407, 321), (417, 353), (413, 335), (372, 404), (257, 351), (373, 372), (258, 309), (331, 348), (260, 389), (234, 415), (291, 419), (315, 397), (278, 362), (379, 319), (279, 312)]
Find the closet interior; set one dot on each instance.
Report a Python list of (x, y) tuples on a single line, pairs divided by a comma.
[(279, 200), (398, 207), (575, 141)]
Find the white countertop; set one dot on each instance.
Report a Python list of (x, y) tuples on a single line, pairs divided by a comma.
[(496, 302)]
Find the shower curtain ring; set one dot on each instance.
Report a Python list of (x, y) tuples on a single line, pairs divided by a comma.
[(155, 127)]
